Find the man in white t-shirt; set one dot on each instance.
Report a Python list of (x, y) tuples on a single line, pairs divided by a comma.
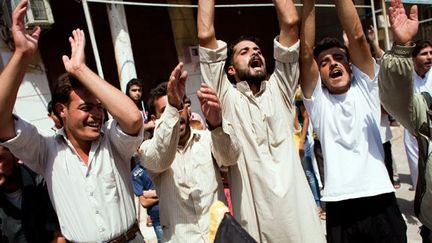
[(422, 60), (341, 95)]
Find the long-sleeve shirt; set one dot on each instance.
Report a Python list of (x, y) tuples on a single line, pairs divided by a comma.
[(411, 110), (270, 195), (187, 177), (94, 202)]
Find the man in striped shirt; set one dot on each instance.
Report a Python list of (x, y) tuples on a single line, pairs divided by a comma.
[(181, 160)]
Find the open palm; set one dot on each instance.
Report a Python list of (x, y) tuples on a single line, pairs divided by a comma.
[(404, 27), (24, 43), (177, 86), (77, 58), (210, 105)]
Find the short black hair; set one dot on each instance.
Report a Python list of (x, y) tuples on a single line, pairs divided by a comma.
[(328, 43), (157, 92), (230, 53), (419, 45), (138, 82), (50, 107), (134, 81), (62, 89)]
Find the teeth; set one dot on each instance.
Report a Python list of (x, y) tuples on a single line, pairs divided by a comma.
[(93, 124)]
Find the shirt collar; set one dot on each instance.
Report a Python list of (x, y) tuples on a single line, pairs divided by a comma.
[(62, 133), (244, 88), (194, 135)]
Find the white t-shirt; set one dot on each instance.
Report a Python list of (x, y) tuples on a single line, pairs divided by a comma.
[(348, 127), (422, 84)]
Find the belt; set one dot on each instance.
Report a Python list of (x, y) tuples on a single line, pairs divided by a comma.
[(127, 236)]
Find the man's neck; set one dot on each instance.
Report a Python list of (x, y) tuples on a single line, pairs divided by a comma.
[(183, 140), (255, 88), (420, 73), (82, 148)]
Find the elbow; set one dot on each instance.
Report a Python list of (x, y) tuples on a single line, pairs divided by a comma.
[(206, 36), (290, 22), (136, 121), (306, 52), (359, 37)]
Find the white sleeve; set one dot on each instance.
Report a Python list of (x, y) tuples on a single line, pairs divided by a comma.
[(158, 153), (29, 145)]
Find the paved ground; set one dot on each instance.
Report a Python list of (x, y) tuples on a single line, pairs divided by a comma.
[(405, 196)]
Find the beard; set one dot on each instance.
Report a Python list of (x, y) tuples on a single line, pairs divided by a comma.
[(246, 75)]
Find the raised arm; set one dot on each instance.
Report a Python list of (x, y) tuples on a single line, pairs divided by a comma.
[(116, 102), (205, 24), (288, 22), (403, 27), (13, 74), (158, 153), (358, 46), (396, 80), (225, 145), (374, 42), (308, 67)]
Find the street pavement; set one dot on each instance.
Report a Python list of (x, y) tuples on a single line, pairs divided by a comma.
[(404, 195)]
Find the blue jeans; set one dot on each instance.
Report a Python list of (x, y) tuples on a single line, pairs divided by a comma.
[(159, 232), (309, 171)]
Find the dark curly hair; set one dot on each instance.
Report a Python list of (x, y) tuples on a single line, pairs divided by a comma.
[(157, 92)]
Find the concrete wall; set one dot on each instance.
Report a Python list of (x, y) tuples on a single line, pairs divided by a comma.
[(34, 93)]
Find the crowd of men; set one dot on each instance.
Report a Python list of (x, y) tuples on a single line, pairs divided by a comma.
[(93, 166)]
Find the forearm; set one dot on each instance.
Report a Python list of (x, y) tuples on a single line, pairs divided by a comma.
[(378, 51), (359, 50), (225, 145), (349, 20), (205, 24), (308, 66), (117, 104), (158, 153), (150, 194), (10, 81), (305, 127), (396, 84), (147, 202), (288, 22)]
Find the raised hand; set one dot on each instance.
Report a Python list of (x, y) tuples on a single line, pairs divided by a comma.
[(177, 86), (404, 28), (77, 58), (210, 105), (25, 44), (371, 34)]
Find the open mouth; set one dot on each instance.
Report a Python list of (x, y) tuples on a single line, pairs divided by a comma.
[(336, 73), (94, 124), (255, 62)]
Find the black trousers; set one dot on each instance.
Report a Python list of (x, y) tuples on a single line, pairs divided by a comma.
[(374, 219), (426, 234), (388, 159)]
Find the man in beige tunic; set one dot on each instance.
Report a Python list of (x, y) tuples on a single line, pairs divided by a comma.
[(270, 196)]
